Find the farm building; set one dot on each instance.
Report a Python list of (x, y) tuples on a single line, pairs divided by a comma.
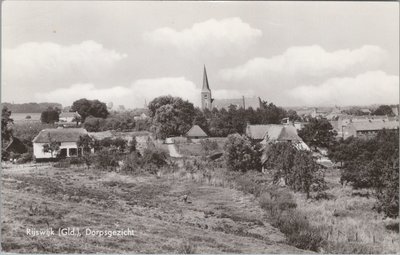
[(67, 138), (196, 132), (271, 133), (368, 129), (69, 119)]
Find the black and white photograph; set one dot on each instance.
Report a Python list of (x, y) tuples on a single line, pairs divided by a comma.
[(200, 127)]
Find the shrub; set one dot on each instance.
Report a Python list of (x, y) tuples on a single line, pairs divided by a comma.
[(25, 157), (106, 159), (152, 160), (131, 163), (208, 146), (241, 154)]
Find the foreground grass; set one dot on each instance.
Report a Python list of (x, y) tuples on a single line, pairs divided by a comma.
[(214, 219), (348, 221)]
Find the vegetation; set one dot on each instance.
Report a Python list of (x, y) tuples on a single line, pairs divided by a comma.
[(318, 133), (151, 161), (372, 163), (241, 154), (6, 131), (383, 110), (172, 116), (50, 115), (30, 107), (87, 108), (296, 168)]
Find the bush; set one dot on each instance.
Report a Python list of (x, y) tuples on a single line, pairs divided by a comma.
[(152, 160), (241, 154), (25, 158), (208, 146), (106, 159)]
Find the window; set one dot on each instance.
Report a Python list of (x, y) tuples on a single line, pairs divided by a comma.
[(63, 152), (73, 152)]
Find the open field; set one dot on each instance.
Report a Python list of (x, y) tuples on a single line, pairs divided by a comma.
[(348, 220), (214, 220)]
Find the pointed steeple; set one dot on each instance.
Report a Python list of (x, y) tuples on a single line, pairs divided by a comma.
[(205, 80)]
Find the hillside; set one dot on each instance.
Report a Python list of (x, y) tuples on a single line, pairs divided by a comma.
[(213, 220)]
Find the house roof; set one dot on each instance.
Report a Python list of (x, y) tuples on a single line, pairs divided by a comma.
[(196, 131), (374, 125), (273, 132), (69, 114), (60, 135), (101, 135)]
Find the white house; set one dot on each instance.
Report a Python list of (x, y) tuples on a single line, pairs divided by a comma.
[(67, 138), (69, 117)]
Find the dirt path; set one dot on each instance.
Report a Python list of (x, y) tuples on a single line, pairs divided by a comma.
[(212, 220)]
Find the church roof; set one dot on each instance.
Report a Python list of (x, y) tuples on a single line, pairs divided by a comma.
[(196, 131), (247, 102), (205, 80)]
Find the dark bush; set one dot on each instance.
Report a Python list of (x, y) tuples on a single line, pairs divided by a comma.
[(25, 158), (106, 159), (241, 154)]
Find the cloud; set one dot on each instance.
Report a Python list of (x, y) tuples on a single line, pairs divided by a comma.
[(136, 94), (373, 87), (50, 64), (306, 63), (211, 36)]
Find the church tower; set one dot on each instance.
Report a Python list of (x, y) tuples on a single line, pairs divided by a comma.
[(206, 100)]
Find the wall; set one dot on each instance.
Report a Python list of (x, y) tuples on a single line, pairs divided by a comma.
[(38, 149)]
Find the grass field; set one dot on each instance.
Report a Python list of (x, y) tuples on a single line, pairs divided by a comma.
[(348, 220), (215, 219)]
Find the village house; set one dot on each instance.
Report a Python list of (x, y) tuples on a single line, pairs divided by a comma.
[(368, 129), (272, 133), (196, 132), (69, 119), (67, 139)]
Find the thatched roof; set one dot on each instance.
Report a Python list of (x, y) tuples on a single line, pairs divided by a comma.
[(60, 135)]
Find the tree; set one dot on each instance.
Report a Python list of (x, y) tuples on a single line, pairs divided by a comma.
[(87, 108), (6, 131), (93, 124), (172, 116), (86, 143), (318, 133), (50, 115), (52, 147), (297, 168), (383, 110), (241, 154)]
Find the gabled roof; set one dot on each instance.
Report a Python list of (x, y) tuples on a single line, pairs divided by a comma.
[(273, 132), (247, 102), (69, 114), (60, 135), (374, 125), (196, 131)]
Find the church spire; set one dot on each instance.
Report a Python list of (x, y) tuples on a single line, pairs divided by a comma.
[(205, 80)]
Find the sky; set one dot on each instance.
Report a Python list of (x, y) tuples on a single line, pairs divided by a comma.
[(288, 53)]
